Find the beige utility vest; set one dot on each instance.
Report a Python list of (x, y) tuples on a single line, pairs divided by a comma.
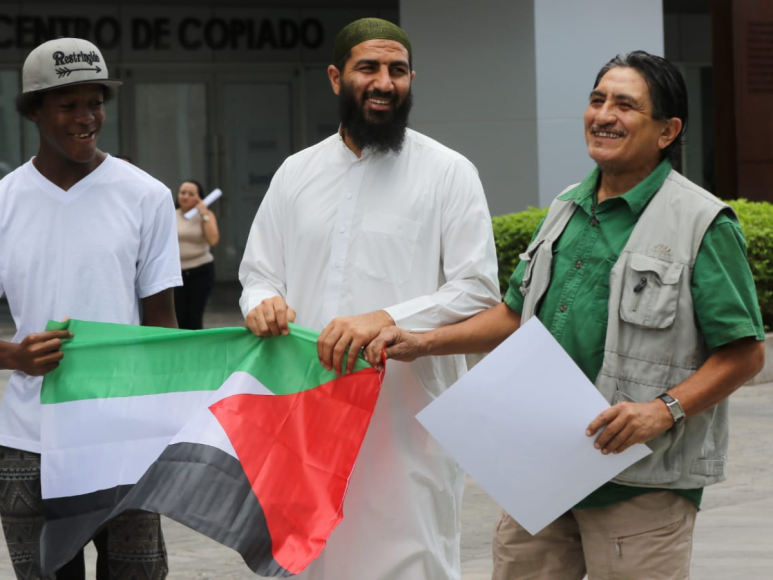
[(652, 342)]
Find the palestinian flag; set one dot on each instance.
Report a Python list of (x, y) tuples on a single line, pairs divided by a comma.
[(249, 441)]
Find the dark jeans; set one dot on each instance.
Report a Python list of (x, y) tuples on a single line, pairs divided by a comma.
[(191, 298)]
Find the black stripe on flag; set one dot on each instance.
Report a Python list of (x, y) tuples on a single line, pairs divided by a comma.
[(197, 485)]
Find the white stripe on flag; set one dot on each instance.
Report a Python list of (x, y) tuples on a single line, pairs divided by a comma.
[(99, 444), (204, 428)]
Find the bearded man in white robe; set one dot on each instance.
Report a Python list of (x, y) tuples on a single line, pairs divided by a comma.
[(375, 226)]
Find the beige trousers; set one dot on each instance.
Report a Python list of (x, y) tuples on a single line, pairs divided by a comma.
[(646, 538)]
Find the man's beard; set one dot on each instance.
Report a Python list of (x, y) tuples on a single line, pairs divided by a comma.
[(384, 131)]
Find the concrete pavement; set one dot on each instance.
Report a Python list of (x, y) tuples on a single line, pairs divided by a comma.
[(733, 536)]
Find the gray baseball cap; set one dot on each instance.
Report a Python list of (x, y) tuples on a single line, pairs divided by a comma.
[(63, 62)]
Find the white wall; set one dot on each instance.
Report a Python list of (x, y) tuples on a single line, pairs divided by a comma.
[(573, 41), (475, 89), (505, 82)]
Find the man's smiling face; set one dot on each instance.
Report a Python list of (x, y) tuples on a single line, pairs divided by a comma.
[(374, 91), (70, 120), (621, 134), (378, 73)]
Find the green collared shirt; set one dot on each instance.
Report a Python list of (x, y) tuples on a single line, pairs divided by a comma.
[(575, 307)]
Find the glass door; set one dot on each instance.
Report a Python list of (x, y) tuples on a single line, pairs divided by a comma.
[(10, 124), (169, 120), (255, 135), (226, 130)]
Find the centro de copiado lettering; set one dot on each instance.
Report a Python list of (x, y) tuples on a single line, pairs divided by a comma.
[(27, 32), (254, 34), (61, 58)]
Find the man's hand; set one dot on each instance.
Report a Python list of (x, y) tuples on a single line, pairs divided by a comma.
[(38, 353), (628, 424), (352, 333), (399, 343), (270, 317)]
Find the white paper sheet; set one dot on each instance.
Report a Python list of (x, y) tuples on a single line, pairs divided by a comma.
[(516, 423)]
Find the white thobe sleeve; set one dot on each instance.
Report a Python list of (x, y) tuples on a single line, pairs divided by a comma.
[(262, 271), (468, 255)]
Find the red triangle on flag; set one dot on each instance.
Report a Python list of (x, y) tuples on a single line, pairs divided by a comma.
[(298, 452)]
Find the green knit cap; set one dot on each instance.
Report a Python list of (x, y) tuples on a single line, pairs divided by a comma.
[(367, 29)]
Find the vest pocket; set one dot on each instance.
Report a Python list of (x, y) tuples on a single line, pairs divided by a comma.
[(650, 291), (664, 465)]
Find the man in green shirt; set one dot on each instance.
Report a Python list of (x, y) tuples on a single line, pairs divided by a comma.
[(642, 277)]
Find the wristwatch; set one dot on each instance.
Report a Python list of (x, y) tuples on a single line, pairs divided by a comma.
[(205, 217), (673, 407)]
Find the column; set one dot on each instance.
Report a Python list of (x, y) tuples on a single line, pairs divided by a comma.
[(506, 82)]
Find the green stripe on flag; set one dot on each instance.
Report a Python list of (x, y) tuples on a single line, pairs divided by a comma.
[(114, 360)]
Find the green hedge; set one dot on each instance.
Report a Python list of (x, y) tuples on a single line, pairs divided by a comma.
[(757, 224), (512, 233)]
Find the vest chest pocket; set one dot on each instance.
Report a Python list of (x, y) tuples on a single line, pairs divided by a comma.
[(650, 291), (665, 463)]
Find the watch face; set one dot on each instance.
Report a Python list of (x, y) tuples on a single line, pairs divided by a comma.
[(674, 407), (676, 410)]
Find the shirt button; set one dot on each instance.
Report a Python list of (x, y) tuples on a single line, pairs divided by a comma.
[(342, 229), (337, 265), (578, 264), (564, 307), (349, 195)]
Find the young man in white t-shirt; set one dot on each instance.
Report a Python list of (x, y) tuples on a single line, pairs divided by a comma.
[(82, 235)]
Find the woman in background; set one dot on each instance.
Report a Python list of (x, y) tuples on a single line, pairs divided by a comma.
[(196, 237)]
